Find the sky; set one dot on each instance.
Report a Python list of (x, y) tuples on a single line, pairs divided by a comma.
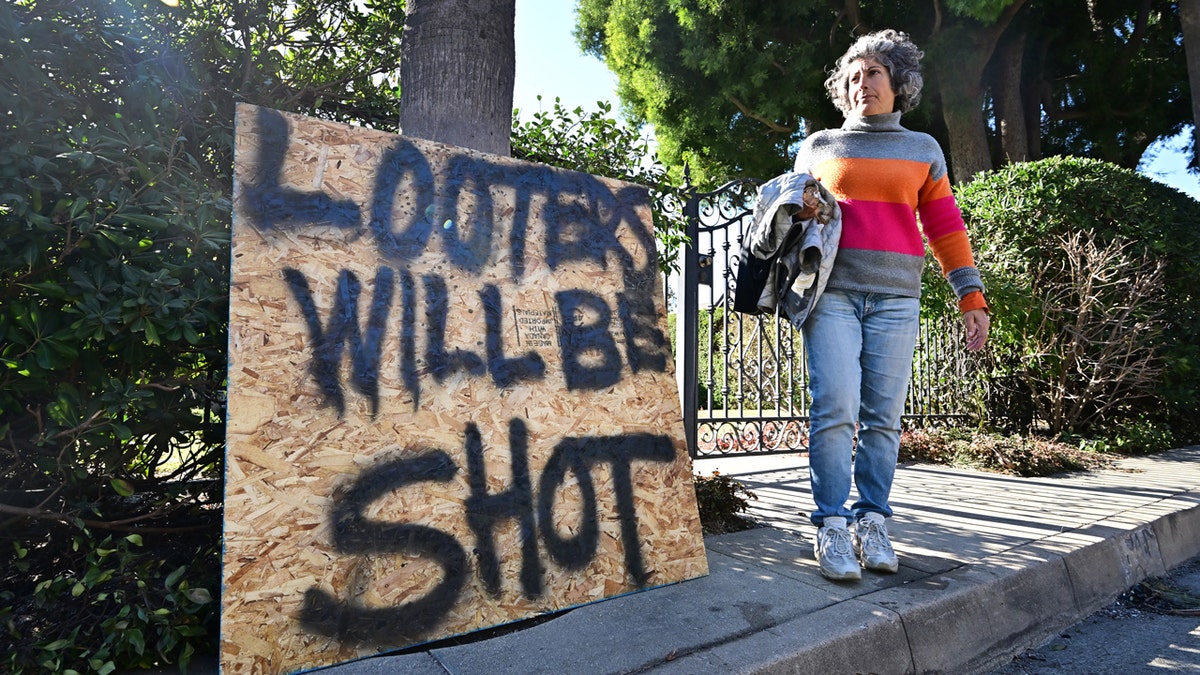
[(550, 63)]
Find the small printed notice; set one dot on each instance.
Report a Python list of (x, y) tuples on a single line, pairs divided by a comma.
[(536, 328)]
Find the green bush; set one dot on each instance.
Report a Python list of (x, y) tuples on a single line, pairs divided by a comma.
[(118, 607), (114, 274), (1092, 273), (114, 263), (1139, 437)]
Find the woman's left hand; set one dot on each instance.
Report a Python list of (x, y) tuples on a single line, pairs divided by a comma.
[(977, 322)]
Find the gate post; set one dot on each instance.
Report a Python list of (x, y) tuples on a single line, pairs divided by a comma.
[(687, 315)]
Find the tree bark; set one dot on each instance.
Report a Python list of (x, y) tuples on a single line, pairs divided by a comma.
[(457, 67), (1036, 92), (1189, 16), (968, 138), (1010, 108), (960, 86), (965, 53)]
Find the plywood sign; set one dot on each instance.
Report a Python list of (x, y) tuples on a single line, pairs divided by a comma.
[(451, 397)]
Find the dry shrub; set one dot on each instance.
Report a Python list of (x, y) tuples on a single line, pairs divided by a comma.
[(1025, 456), (722, 500)]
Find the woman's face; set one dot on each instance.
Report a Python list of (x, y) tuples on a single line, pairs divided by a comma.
[(870, 88)]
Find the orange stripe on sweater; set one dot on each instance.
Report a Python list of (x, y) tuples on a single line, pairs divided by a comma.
[(874, 180), (972, 300), (953, 251), (936, 189)]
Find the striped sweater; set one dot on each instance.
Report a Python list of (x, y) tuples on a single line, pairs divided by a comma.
[(883, 176)]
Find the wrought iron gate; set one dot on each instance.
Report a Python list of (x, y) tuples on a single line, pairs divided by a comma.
[(742, 378)]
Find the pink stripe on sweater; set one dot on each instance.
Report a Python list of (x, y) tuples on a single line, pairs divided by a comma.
[(880, 226), (941, 217)]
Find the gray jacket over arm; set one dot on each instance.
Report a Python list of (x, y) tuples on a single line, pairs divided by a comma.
[(791, 246)]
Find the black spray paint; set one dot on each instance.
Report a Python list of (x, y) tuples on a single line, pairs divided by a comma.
[(581, 218)]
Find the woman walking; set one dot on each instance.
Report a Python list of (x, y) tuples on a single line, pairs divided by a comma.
[(861, 333)]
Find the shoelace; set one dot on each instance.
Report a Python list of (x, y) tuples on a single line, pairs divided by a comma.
[(837, 541), (875, 537)]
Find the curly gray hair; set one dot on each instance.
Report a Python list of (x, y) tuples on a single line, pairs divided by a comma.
[(896, 52)]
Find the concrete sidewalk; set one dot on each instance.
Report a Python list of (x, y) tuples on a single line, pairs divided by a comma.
[(990, 565)]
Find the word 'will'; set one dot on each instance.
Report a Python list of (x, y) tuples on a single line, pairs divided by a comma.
[(590, 355)]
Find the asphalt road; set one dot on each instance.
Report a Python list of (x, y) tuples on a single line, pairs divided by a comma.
[(1146, 630)]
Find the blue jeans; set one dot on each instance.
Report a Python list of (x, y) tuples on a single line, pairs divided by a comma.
[(860, 352)]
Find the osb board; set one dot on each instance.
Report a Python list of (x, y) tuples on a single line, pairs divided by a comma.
[(451, 397)]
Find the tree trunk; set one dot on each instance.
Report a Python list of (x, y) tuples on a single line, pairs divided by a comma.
[(968, 138), (456, 72), (1189, 15), (964, 50), (1035, 92), (1010, 109), (960, 85)]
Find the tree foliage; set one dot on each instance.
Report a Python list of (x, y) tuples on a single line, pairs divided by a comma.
[(596, 143), (114, 261), (731, 87), (116, 152), (726, 87), (331, 59), (1112, 78)]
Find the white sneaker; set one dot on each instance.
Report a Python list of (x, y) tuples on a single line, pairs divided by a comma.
[(872, 546), (835, 553)]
